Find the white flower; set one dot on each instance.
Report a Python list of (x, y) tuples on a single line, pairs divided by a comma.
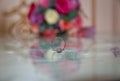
[(51, 16)]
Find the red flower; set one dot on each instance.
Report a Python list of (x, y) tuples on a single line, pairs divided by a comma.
[(49, 34), (64, 25), (62, 6), (32, 8)]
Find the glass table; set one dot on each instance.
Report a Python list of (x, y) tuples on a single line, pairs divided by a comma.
[(98, 60)]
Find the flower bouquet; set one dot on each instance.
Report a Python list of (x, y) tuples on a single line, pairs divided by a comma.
[(51, 18)]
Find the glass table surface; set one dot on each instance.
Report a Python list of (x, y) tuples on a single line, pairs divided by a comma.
[(98, 60)]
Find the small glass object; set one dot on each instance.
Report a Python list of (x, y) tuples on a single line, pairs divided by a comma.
[(58, 44)]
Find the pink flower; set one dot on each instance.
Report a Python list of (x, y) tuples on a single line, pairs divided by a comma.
[(62, 6), (75, 4), (77, 22), (36, 18), (43, 3)]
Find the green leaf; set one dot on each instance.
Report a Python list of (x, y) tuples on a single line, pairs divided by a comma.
[(70, 16), (61, 34), (52, 3), (65, 17), (40, 9), (51, 27), (43, 27), (73, 14)]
